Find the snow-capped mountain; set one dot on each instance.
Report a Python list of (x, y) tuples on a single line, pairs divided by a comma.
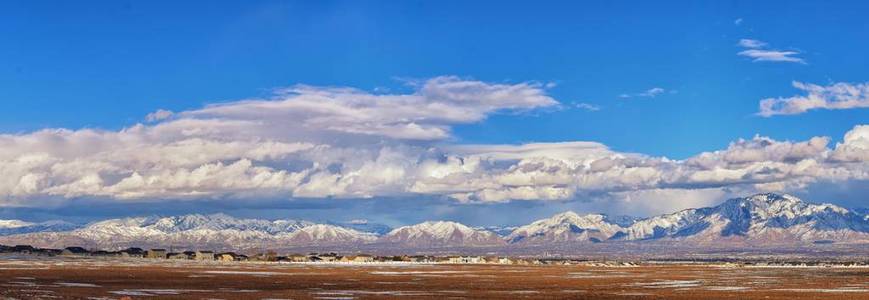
[(9, 227), (217, 231), (759, 219), (566, 227), (441, 234), (763, 220), (323, 234), (501, 231), (364, 226)]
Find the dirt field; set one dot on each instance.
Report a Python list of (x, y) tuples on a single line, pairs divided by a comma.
[(153, 279)]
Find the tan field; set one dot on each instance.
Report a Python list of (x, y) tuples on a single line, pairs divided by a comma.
[(153, 279)]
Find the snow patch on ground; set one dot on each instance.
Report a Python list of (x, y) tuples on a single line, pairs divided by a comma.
[(76, 284)]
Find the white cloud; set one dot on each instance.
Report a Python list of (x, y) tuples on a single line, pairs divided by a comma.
[(756, 50), (159, 115), (426, 114), (650, 93), (336, 142), (772, 55), (587, 106), (855, 146), (834, 96), (750, 43), (737, 22)]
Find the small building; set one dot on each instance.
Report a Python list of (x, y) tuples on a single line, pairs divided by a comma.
[(330, 257), (226, 256), (75, 251), (297, 257), (465, 260), (506, 261), (204, 255), (363, 258), (155, 253)]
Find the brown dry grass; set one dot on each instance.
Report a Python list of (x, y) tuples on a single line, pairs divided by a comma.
[(190, 280)]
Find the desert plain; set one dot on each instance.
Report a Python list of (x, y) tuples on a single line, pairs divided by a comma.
[(87, 278)]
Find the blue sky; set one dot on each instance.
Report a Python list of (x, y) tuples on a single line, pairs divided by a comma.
[(106, 65)]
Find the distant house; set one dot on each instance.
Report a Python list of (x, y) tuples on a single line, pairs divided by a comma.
[(297, 257), (75, 251), (226, 256), (330, 257), (490, 259), (203, 255), (465, 260), (363, 258), (506, 261), (155, 253)]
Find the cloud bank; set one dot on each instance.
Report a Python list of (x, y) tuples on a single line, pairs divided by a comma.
[(335, 142), (835, 96)]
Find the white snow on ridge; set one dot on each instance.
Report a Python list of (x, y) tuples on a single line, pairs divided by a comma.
[(760, 219)]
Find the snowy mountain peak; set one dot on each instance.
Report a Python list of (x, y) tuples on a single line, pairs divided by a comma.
[(8, 227), (440, 234), (213, 222), (770, 205), (566, 226), (764, 218), (323, 233), (440, 229)]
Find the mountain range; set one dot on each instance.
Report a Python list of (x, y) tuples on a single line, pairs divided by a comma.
[(763, 220)]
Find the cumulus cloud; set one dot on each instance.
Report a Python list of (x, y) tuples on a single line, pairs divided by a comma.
[(835, 96), (855, 146), (758, 52), (314, 142)]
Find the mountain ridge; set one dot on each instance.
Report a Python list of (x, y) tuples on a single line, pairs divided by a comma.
[(755, 221)]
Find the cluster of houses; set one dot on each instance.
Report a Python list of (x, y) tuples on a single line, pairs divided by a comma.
[(267, 256)]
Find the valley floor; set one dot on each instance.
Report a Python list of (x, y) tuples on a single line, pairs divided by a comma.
[(89, 278)]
